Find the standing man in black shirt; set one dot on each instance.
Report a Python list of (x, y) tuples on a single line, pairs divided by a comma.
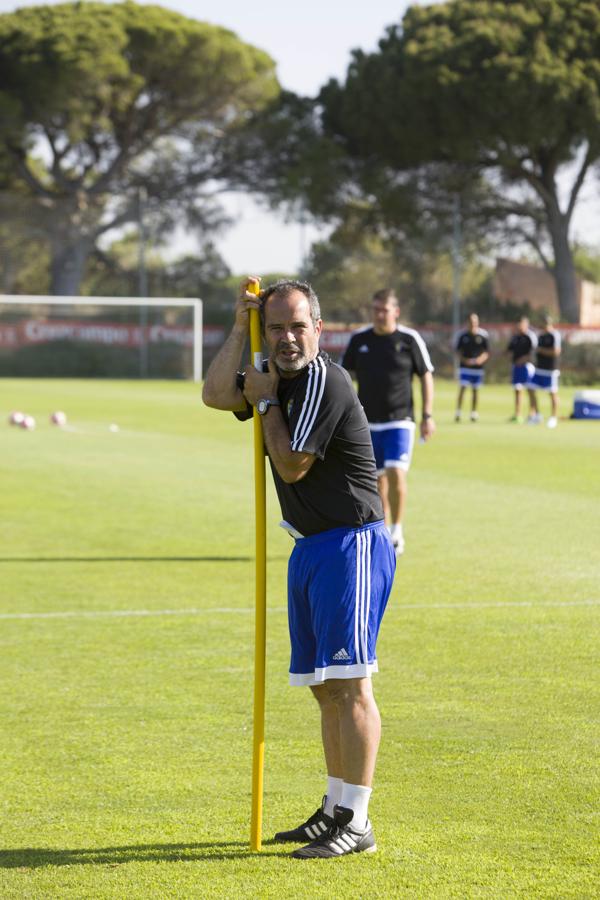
[(473, 351), (383, 358), (342, 567), (546, 367), (520, 347)]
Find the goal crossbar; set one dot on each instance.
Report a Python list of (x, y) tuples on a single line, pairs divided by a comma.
[(193, 302)]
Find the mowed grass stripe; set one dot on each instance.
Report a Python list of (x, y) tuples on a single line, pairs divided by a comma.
[(221, 610)]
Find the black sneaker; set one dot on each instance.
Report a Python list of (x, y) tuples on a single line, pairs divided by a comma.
[(340, 839), (318, 824)]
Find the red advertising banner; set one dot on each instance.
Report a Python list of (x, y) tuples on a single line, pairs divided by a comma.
[(116, 334)]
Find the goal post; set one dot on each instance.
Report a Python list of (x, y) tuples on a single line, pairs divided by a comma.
[(135, 334)]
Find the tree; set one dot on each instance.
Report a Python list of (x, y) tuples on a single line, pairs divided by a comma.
[(511, 89), (99, 101)]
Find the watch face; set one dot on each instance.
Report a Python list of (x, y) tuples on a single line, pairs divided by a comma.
[(262, 406)]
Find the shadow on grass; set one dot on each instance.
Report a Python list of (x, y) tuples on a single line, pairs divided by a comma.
[(37, 857)]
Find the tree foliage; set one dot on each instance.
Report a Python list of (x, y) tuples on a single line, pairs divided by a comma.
[(511, 88), (100, 100)]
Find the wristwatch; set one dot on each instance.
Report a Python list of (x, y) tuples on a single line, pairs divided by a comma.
[(262, 406)]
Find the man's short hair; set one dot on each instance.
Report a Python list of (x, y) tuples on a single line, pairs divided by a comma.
[(284, 288), (386, 294)]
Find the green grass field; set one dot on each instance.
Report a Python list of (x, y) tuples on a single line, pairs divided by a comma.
[(126, 578)]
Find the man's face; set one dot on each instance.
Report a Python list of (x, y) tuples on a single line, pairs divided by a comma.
[(385, 316), (473, 322), (523, 326), (290, 334)]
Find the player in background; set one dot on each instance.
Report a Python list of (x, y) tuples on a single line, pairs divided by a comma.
[(383, 359), (546, 374), (521, 347), (473, 351)]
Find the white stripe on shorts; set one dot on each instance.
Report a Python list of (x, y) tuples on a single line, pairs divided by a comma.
[(357, 598), (367, 597), (363, 596)]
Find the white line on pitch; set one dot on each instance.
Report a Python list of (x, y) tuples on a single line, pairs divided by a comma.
[(233, 610)]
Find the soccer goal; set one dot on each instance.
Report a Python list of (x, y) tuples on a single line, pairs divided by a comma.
[(110, 337)]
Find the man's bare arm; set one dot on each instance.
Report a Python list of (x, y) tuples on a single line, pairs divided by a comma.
[(220, 388), (291, 465), (427, 422)]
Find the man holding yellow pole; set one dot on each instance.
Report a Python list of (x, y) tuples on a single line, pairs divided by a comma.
[(342, 566)]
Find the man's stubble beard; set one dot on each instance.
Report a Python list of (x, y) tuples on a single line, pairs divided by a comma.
[(291, 366)]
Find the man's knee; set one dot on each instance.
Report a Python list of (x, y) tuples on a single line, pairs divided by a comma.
[(321, 694), (349, 691)]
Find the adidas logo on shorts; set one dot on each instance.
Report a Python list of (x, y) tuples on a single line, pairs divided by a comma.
[(342, 655)]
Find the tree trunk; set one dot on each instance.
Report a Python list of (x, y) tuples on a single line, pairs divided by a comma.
[(69, 257), (564, 273)]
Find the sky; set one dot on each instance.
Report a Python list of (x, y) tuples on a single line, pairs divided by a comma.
[(310, 41)]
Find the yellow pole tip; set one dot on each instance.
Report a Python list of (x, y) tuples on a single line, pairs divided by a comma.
[(254, 288)]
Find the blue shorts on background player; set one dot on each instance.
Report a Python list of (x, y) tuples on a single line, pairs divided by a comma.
[(393, 444)]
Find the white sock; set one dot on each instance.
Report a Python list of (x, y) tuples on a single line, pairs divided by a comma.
[(356, 797), (334, 794)]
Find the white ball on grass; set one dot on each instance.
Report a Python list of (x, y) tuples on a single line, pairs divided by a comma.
[(16, 418), (58, 418), (28, 423)]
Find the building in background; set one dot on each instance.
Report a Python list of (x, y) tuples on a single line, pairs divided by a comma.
[(518, 283)]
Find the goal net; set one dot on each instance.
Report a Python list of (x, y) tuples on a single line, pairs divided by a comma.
[(100, 337)]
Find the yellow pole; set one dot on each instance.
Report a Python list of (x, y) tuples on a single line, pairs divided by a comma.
[(258, 754)]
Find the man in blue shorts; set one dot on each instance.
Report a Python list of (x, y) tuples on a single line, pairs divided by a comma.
[(546, 375), (383, 358), (342, 567), (473, 351), (521, 346)]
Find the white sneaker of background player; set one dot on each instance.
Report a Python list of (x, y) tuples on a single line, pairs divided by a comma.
[(397, 538), (552, 422), (535, 419)]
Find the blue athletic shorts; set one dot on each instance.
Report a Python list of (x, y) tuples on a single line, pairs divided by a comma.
[(468, 377), (522, 375), (339, 582), (393, 444), (545, 380)]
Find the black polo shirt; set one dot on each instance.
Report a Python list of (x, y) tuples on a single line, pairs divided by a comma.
[(522, 345), (470, 345), (549, 340), (325, 418), (384, 365)]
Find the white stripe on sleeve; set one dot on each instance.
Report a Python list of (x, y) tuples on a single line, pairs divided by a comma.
[(420, 344), (312, 405)]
